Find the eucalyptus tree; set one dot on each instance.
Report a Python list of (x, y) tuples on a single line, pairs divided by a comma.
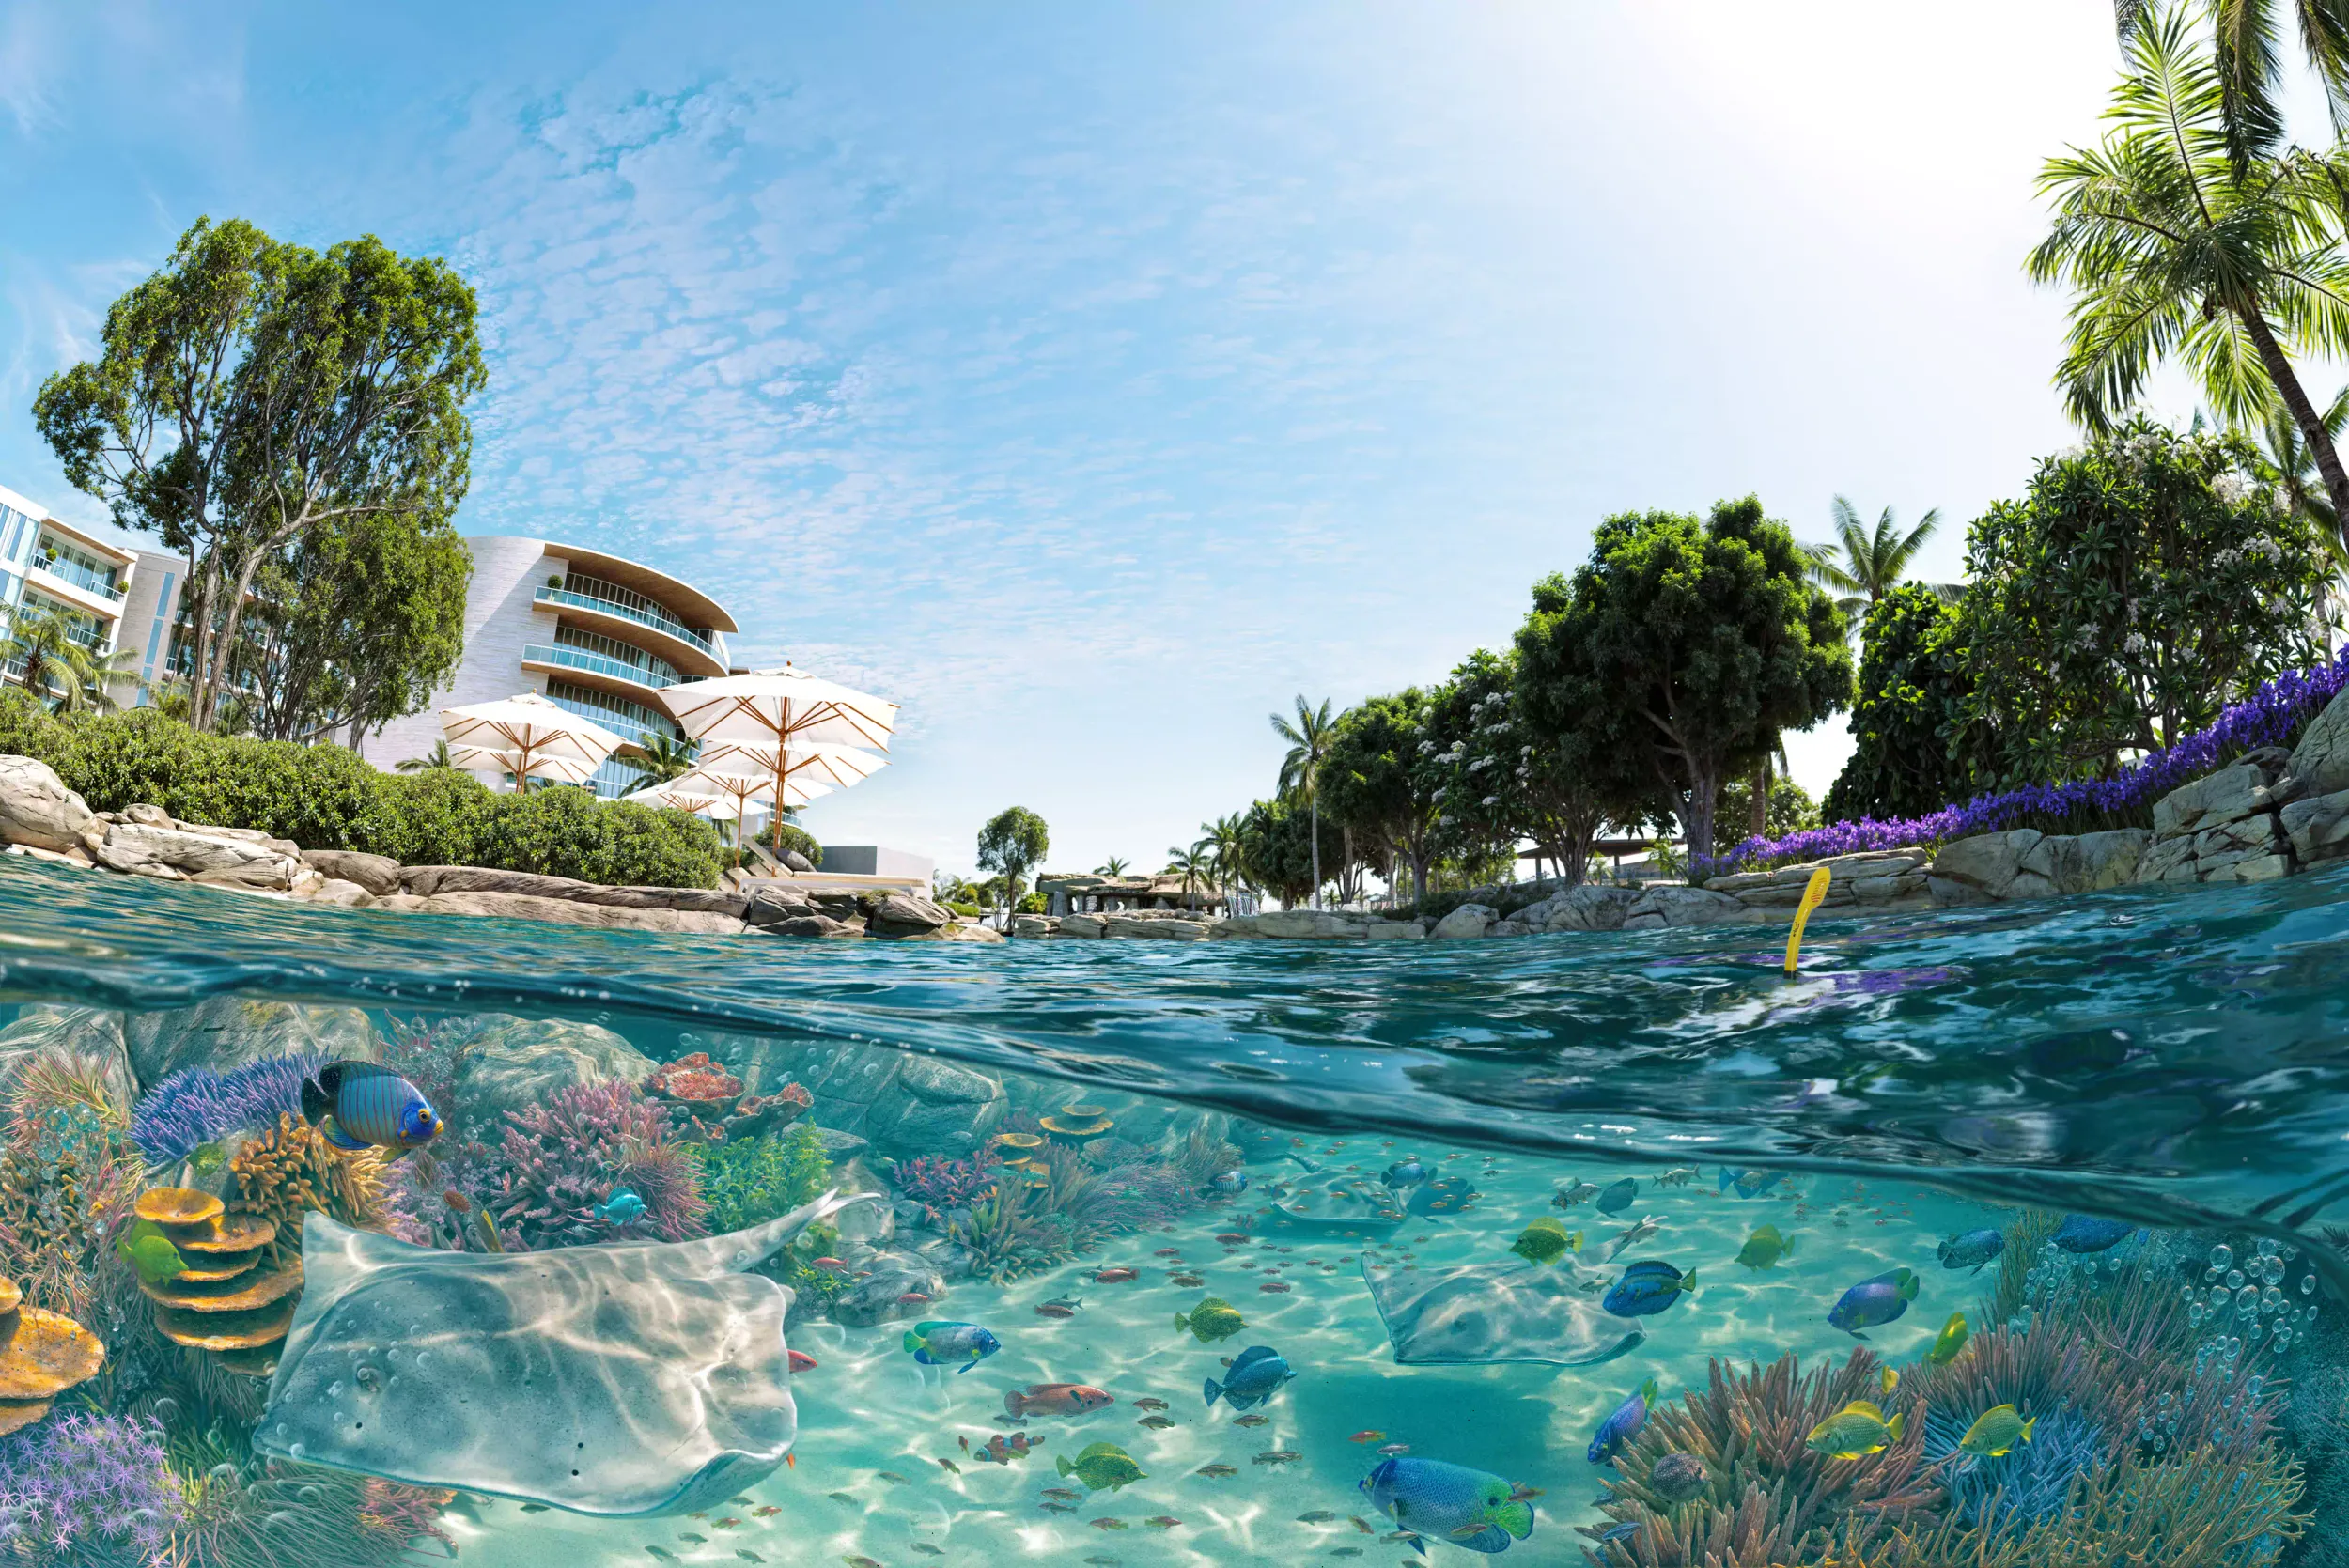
[(2185, 235), (1309, 740)]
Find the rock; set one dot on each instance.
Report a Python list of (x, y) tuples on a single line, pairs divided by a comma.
[(767, 906), (1163, 930), (962, 931), (2083, 862), (1385, 931), (1510, 928), (903, 915), (1782, 887), (426, 880), (692, 901), (927, 1077), (275, 845), (147, 815), (840, 1147), (228, 1031), (1316, 925), (516, 1063), (90, 1033), (130, 846), (2320, 761), (808, 926), (881, 1299), (1986, 864), (1469, 920), (1674, 906), (37, 809), (2167, 859), (869, 1223), (1589, 907), (565, 911), (950, 1258), (2228, 795), (347, 895), (794, 860), (2318, 826), (1076, 925)]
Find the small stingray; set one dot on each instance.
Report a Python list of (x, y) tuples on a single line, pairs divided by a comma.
[(1496, 1312), (621, 1381)]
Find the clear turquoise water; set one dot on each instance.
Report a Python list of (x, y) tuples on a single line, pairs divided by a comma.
[(2172, 1060)]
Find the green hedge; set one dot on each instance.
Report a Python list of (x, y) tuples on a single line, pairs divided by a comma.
[(328, 797)]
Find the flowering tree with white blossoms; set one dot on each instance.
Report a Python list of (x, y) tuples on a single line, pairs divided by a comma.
[(2144, 581)]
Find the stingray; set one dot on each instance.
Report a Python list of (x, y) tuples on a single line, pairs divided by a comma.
[(1490, 1312), (620, 1381)]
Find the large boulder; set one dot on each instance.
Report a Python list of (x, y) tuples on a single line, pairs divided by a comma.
[(934, 1107), (90, 1033), (1588, 906), (1981, 867), (1867, 877), (808, 926), (378, 873), (2080, 862), (901, 914), (2318, 826), (228, 1031), (1318, 926), (211, 855), (885, 1296), (2320, 761), (1469, 920), (1674, 905), (515, 1063), (1161, 930), (36, 808), (2229, 794), (768, 905), (566, 912)]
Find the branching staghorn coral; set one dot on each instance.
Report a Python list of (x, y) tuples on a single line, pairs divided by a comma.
[(1769, 1498), (559, 1160), (291, 1170), (2026, 1239)]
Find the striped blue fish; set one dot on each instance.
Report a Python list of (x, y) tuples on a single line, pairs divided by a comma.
[(359, 1104)]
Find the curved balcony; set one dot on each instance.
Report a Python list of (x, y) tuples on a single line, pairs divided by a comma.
[(596, 669), (690, 651)]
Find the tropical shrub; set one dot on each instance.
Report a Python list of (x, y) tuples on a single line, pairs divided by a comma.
[(1791, 809), (329, 798)]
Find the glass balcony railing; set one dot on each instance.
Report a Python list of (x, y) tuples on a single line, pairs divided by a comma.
[(634, 612), (66, 569), (580, 659)]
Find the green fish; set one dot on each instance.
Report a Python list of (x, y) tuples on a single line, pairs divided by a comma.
[(1211, 1320), (1996, 1433), (146, 1248), (1546, 1241), (1855, 1430), (1102, 1465), (1951, 1340), (1765, 1247)]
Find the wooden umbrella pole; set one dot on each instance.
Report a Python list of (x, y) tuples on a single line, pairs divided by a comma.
[(783, 730)]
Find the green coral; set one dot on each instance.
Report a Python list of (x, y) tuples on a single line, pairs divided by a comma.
[(748, 1181)]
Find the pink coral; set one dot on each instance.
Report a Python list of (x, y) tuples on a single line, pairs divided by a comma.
[(564, 1159), (693, 1078)]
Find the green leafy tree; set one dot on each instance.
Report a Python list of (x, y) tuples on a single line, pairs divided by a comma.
[(1379, 781), (1013, 844), (251, 392), (1300, 771), (1790, 809), (1286, 843), (2139, 586), (1908, 713), (1691, 644), (1222, 838), (1194, 865), (437, 758), (1115, 866), (2182, 235), (1862, 566)]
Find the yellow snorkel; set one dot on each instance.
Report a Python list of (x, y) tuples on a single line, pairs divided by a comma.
[(1812, 896)]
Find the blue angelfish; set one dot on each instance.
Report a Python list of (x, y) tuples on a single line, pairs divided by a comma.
[(960, 1345), (1256, 1375), (1621, 1424), (359, 1104), (1474, 1509), (1873, 1302), (1618, 1196), (1646, 1288)]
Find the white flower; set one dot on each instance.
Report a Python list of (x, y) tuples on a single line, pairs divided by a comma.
[(2133, 644), (1425, 746), (1479, 764), (1492, 800), (2231, 487)]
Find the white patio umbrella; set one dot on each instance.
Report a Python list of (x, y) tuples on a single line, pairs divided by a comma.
[(787, 711), (698, 802), (528, 737), (802, 762), (739, 791)]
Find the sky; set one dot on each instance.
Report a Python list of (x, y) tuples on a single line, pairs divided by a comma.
[(1095, 381)]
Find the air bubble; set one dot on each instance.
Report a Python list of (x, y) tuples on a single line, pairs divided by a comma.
[(2308, 1285), (2234, 1279), (296, 1452), (2247, 1301), (2221, 1256), (2270, 1300), (335, 1389), (2268, 1246), (166, 1410)]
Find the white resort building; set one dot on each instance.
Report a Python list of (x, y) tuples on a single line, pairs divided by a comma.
[(595, 633), (48, 565)]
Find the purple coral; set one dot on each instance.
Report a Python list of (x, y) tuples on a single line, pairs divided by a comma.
[(86, 1486), (562, 1160), (196, 1106), (2271, 716), (942, 1184)]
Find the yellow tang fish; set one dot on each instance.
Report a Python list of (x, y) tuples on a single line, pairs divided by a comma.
[(1855, 1431), (1951, 1340)]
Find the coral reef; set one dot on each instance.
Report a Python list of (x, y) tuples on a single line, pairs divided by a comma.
[(1768, 1498), (86, 1487), (265, 1514), (2025, 1241), (196, 1106), (940, 1184), (710, 1102), (292, 1169), (432, 1053), (1073, 1126), (694, 1080), (746, 1181), (2000, 1497), (562, 1160), (1010, 1233), (67, 1181), (1205, 1156)]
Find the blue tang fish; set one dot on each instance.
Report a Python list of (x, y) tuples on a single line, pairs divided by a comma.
[(1256, 1375), (1873, 1302), (2080, 1233), (623, 1207), (1469, 1508), (1618, 1196), (359, 1104), (1622, 1425), (1646, 1288), (960, 1345), (1973, 1249), (1404, 1172)]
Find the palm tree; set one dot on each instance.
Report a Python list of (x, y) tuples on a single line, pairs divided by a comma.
[(1191, 863), (1309, 742), (1115, 866), (1222, 836), (38, 647), (2292, 468), (1864, 567), (665, 759), (437, 758), (2175, 246), (2250, 45)]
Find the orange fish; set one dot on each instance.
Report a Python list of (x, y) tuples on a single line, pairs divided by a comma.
[(1168, 1252), (833, 1263), (1047, 1310), (1367, 1434), (803, 1361), (769, 1512), (1112, 1276), (913, 1299), (1055, 1399)]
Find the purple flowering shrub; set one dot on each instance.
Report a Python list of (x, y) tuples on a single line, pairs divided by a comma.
[(86, 1487), (942, 1184), (196, 1106), (2273, 714), (558, 1161)]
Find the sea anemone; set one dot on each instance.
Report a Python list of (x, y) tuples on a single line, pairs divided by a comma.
[(86, 1487), (196, 1106), (267, 1513), (941, 1182)]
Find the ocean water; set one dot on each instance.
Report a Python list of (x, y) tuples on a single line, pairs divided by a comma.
[(2171, 1061)]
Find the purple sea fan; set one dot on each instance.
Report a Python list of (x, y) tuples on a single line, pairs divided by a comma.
[(196, 1106), (87, 1488)]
